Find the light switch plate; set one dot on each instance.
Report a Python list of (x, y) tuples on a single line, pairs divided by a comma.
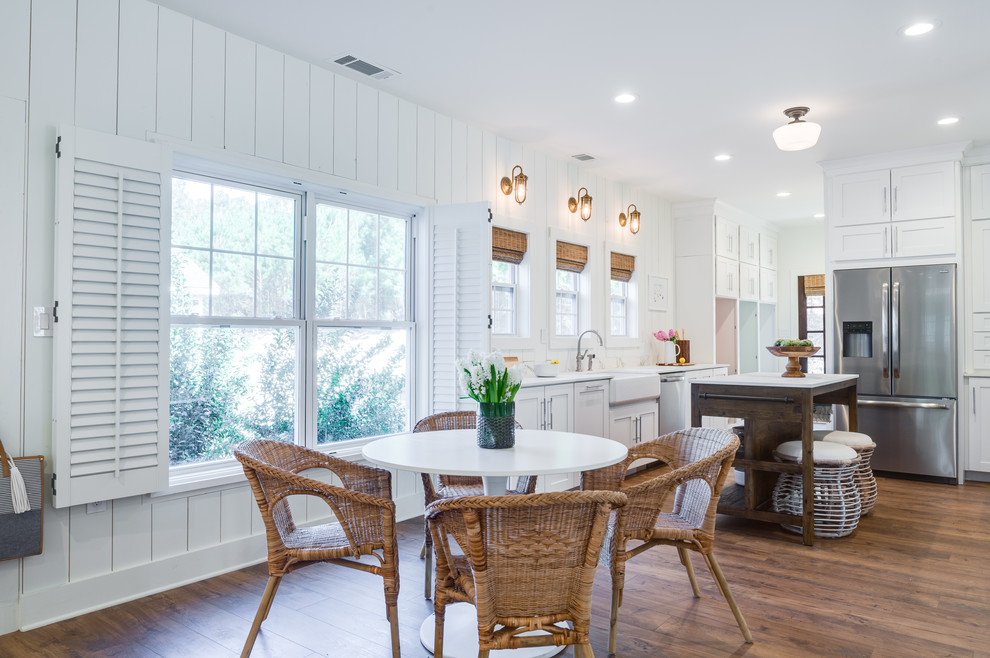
[(42, 321)]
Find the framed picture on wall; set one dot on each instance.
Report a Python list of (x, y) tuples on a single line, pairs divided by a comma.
[(657, 293)]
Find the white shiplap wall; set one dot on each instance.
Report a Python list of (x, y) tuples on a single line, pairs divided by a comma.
[(132, 68)]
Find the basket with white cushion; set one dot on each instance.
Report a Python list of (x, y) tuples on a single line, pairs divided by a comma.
[(864, 447), (836, 502)]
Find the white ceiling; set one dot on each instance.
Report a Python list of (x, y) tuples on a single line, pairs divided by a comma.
[(711, 76)]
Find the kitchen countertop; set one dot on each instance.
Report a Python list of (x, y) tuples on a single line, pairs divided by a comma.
[(775, 379), (609, 373)]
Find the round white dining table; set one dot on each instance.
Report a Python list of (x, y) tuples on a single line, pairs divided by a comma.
[(456, 452)]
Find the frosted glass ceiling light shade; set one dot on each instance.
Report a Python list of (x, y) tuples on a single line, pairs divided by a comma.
[(798, 134)]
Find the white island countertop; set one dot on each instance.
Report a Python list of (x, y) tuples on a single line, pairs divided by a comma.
[(775, 379)]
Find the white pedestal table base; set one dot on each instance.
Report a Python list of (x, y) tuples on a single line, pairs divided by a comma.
[(460, 636)]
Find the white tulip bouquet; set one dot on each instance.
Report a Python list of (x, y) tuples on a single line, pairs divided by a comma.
[(486, 378)]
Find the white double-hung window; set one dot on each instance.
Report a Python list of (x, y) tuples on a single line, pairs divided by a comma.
[(569, 311), (508, 252), (622, 297)]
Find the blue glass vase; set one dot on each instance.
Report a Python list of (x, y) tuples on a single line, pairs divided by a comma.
[(496, 424)]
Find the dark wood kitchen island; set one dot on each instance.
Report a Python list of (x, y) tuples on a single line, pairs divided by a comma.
[(774, 409)]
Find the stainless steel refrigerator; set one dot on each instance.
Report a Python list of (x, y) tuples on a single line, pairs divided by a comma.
[(896, 328)]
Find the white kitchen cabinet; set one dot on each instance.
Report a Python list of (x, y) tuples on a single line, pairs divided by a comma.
[(749, 282), (726, 238), (545, 407), (907, 239), (979, 424), (631, 424), (726, 278), (768, 285), (919, 192), (979, 268), (591, 407), (979, 192), (749, 245), (768, 251)]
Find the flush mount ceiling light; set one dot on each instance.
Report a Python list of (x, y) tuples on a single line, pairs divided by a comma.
[(783, 194), (819, 215), (517, 183), (625, 98), (948, 121), (582, 202), (917, 29), (798, 134), (722, 157)]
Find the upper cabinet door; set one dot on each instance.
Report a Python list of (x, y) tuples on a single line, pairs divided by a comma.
[(861, 198), (726, 238), (749, 245), (768, 251), (923, 192), (980, 192)]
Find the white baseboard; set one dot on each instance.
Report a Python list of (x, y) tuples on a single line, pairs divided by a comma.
[(8, 618)]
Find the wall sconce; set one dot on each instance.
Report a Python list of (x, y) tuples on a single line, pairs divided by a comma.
[(517, 182), (583, 202), (633, 218)]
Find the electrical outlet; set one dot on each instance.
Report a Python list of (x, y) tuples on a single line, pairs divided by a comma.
[(96, 508)]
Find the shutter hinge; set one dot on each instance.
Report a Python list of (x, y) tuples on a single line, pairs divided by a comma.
[(489, 322), (55, 312), (58, 149), (489, 215), (53, 484)]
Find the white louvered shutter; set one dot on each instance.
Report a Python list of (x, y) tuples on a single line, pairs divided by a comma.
[(111, 383), (460, 295)]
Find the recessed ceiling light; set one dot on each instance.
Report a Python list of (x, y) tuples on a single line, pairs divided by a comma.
[(918, 29), (722, 157), (819, 215), (625, 98), (783, 194), (948, 121)]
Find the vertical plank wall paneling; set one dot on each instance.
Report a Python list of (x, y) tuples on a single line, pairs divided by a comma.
[(320, 119), (133, 68), (388, 142), (344, 127), (52, 89), (137, 96), (295, 113), (175, 51), (208, 85), (96, 65), (269, 126), (367, 135), (239, 95)]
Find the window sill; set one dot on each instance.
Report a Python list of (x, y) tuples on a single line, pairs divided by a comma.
[(229, 472)]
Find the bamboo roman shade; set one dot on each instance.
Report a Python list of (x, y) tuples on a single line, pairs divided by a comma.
[(814, 285), (623, 266), (571, 257), (508, 246)]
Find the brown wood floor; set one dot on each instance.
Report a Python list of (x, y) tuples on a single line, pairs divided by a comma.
[(911, 581)]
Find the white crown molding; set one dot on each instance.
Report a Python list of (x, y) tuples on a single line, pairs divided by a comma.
[(942, 153)]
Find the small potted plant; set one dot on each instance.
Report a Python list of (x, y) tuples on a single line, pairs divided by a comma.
[(485, 378)]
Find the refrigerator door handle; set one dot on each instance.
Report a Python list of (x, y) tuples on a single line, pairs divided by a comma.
[(884, 305), (902, 405), (895, 342)]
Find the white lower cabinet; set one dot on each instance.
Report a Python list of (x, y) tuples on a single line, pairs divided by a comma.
[(591, 407), (979, 425), (545, 407), (631, 424)]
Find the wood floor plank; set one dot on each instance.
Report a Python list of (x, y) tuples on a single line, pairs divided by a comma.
[(911, 581)]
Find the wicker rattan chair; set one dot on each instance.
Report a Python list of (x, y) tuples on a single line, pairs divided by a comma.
[(700, 459), (528, 563), (365, 523), (453, 486)]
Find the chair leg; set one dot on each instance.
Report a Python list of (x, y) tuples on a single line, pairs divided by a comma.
[(584, 650), (271, 599), (422, 550), (393, 617), (263, 608), (428, 575), (724, 586), (686, 561), (614, 617), (438, 611), (482, 653)]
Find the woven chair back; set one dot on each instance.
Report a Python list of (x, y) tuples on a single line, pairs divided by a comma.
[(531, 555)]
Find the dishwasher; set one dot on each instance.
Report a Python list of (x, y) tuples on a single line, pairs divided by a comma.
[(675, 402)]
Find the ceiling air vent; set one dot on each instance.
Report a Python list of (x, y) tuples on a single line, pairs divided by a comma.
[(364, 67), (583, 157)]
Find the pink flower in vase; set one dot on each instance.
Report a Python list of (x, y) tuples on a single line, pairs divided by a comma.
[(665, 335)]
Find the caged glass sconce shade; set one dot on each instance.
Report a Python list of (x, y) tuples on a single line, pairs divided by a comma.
[(633, 218), (798, 134), (583, 202), (517, 183)]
